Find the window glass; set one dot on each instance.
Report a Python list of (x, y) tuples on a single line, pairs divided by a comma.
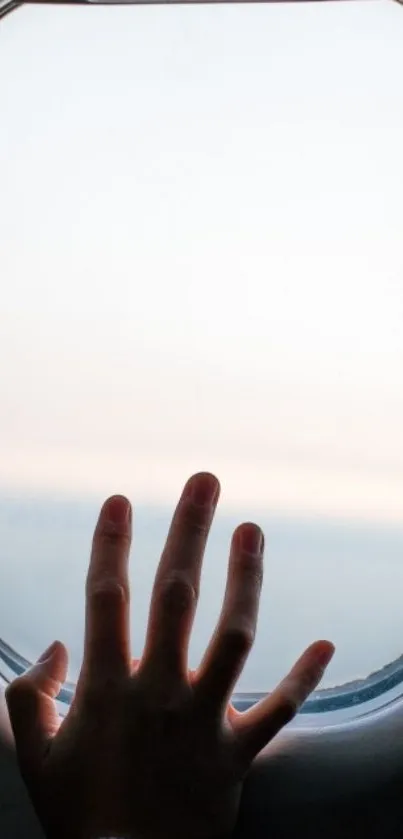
[(201, 268)]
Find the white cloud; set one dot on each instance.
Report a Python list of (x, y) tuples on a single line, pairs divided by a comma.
[(201, 253)]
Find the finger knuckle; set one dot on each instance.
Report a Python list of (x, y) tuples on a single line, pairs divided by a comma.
[(92, 699), (195, 519), (107, 593), (98, 695), (240, 638), (250, 568), (113, 535), (176, 593), (288, 706), (287, 699), (308, 682)]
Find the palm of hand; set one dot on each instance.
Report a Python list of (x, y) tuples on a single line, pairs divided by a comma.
[(127, 759)]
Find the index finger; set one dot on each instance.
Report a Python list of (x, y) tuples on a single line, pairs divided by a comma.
[(107, 618)]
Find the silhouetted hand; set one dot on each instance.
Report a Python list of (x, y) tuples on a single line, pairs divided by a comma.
[(152, 750)]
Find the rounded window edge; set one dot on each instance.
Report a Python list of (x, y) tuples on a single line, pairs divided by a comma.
[(329, 706), (349, 701), (8, 6)]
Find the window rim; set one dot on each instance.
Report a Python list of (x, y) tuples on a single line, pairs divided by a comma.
[(327, 705), (351, 697)]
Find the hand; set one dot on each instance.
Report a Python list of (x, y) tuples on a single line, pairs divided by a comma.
[(151, 750)]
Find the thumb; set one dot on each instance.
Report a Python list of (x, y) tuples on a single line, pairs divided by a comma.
[(31, 705)]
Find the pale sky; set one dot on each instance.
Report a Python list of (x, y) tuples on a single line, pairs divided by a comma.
[(201, 253)]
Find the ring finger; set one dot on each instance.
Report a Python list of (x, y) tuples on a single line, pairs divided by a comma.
[(226, 654)]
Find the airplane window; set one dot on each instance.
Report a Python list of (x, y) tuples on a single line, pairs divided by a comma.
[(201, 263)]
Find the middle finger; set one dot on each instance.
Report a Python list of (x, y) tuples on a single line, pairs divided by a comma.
[(176, 586)]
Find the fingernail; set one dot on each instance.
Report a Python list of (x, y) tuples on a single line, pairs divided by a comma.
[(325, 654), (204, 489), (116, 510), (48, 653), (252, 539)]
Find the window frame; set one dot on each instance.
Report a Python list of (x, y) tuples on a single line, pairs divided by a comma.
[(345, 739)]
